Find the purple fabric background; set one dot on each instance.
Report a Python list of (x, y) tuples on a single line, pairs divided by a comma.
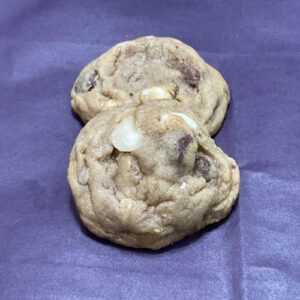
[(44, 251)]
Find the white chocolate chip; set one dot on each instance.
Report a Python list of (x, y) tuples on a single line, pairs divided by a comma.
[(154, 93), (183, 186), (188, 120), (126, 137), (84, 176)]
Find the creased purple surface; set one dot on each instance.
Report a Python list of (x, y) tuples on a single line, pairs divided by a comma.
[(44, 251)]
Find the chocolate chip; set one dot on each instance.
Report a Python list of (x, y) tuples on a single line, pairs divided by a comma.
[(92, 80), (130, 51), (190, 74), (114, 155), (182, 145), (202, 167)]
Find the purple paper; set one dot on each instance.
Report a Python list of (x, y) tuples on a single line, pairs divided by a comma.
[(45, 253)]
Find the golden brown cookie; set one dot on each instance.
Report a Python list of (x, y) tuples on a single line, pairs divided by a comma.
[(148, 176), (123, 73)]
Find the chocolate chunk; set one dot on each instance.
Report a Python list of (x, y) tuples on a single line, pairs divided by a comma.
[(190, 74), (203, 167), (130, 52), (114, 155), (85, 85), (92, 80), (182, 145)]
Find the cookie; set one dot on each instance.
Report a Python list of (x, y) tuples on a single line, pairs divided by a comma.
[(148, 176), (120, 75)]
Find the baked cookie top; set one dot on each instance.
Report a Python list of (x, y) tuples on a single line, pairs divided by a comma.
[(120, 75), (148, 176)]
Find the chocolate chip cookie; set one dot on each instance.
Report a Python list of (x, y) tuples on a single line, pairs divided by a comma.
[(130, 68), (148, 176)]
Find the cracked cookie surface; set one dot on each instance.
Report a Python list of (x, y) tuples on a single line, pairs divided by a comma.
[(148, 176), (119, 76)]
